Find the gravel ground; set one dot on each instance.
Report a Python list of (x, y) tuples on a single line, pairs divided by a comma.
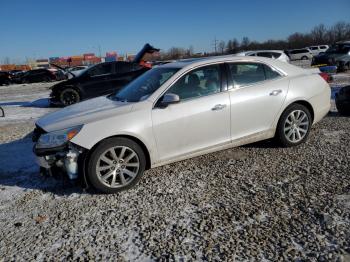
[(257, 202)]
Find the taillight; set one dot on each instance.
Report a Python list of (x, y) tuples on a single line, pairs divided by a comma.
[(325, 76)]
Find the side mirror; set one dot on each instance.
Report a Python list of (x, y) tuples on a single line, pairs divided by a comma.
[(169, 99)]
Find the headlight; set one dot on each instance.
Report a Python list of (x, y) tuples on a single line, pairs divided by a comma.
[(57, 138)]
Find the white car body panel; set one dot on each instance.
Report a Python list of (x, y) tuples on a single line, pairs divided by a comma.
[(254, 108), (192, 125), (283, 57), (191, 128)]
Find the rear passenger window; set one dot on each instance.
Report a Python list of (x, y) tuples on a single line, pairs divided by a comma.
[(250, 73), (265, 54), (123, 67), (276, 55), (247, 73)]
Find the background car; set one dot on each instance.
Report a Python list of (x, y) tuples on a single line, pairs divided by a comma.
[(317, 49), (100, 79), (274, 54), (337, 55), (75, 71), (342, 100), (300, 54), (178, 111), (5, 78), (60, 74), (35, 76)]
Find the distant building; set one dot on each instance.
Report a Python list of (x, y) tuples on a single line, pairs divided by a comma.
[(42, 63)]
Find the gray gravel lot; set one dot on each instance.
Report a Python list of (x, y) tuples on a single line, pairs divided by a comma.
[(256, 202)]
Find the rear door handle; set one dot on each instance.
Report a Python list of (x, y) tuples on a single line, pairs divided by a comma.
[(218, 107), (276, 92)]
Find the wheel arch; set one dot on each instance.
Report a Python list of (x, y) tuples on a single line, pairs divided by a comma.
[(300, 102), (306, 104), (133, 138)]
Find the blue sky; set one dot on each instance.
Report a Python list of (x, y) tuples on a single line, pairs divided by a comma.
[(42, 28)]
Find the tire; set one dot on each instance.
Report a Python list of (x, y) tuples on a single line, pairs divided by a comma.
[(346, 67), (286, 127), (342, 110), (114, 168), (47, 79), (69, 96), (304, 58)]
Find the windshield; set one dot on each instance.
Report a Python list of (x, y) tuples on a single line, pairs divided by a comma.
[(80, 71), (339, 49), (145, 85)]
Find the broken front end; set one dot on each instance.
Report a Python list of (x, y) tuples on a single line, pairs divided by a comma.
[(55, 154)]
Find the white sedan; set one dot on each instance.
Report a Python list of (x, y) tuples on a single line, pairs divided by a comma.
[(178, 111), (274, 54)]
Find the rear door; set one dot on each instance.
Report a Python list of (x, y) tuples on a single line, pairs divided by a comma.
[(257, 93), (98, 79), (199, 121)]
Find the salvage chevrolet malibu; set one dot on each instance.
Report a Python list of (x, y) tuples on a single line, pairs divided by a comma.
[(177, 111)]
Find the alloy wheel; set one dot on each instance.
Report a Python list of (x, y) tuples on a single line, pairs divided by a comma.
[(117, 167), (296, 126), (69, 98)]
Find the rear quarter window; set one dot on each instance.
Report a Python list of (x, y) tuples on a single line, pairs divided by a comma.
[(271, 73)]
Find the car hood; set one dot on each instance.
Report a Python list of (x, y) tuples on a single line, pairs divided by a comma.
[(83, 113)]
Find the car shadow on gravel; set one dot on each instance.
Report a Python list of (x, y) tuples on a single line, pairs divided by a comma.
[(18, 169), (39, 103), (336, 114)]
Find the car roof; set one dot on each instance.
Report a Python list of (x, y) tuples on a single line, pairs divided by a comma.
[(284, 67)]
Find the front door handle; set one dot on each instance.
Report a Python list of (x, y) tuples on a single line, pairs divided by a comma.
[(218, 107), (276, 92)]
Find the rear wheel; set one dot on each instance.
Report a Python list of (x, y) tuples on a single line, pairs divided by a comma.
[(346, 67), (69, 96), (294, 125), (304, 58), (115, 165)]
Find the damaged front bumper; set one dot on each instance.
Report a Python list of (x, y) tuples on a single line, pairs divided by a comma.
[(61, 160)]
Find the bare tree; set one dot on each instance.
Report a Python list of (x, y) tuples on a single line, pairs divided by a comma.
[(6, 60), (221, 47), (245, 43), (318, 34)]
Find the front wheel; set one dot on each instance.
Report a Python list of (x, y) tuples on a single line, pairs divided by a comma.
[(294, 125), (69, 96), (304, 58), (115, 165)]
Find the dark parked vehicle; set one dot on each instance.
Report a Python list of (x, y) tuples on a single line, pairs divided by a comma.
[(36, 75), (101, 79), (337, 55), (342, 100), (5, 78)]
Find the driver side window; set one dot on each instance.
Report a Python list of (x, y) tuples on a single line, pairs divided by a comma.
[(199, 82), (101, 69)]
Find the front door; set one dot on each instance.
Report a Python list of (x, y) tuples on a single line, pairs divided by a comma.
[(199, 121), (98, 79)]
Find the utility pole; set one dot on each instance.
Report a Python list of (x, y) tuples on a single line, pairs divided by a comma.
[(99, 50), (215, 44)]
